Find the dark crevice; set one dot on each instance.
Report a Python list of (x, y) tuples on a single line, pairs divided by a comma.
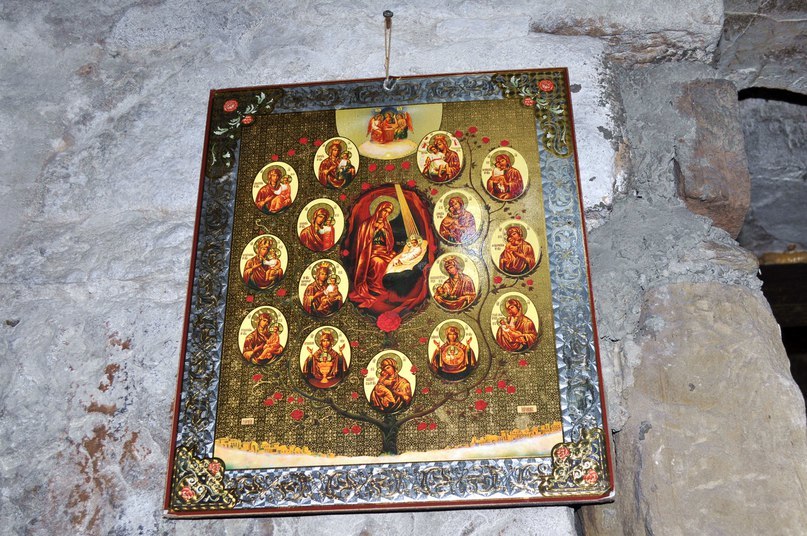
[(774, 94)]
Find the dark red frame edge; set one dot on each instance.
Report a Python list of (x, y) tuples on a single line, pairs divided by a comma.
[(429, 505)]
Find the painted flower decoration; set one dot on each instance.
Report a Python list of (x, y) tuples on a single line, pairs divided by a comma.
[(281, 292), (591, 476), (480, 405), (472, 130), (497, 280), (562, 452), (247, 120), (214, 467), (257, 377), (529, 102), (388, 321), (546, 85), (187, 494), (297, 414), (230, 105)]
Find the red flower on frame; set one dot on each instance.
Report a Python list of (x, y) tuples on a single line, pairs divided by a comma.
[(497, 279), (411, 183), (372, 167), (389, 167), (356, 429), (187, 494), (472, 130), (388, 321), (523, 363), (458, 134), (562, 452), (247, 120), (291, 152), (591, 476), (317, 142), (480, 405), (485, 139), (257, 377), (303, 141), (230, 105), (278, 395), (504, 143), (297, 414), (269, 402), (281, 292), (214, 467), (511, 389), (546, 85), (529, 102), (406, 165)]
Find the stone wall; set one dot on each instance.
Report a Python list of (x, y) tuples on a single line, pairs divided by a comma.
[(102, 128)]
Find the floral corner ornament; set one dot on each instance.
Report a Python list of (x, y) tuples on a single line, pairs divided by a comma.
[(547, 98), (579, 468), (198, 484)]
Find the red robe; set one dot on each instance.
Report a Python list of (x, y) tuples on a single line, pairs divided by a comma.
[(391, 395), (460, 228), (456, 293), (452, 160), (256, 275), (517, 260), (315, 241), (316, 364), (510, 187), (266, 347), (520, 336), (316, 303), (328, 175), (268, 202), (453, 359)]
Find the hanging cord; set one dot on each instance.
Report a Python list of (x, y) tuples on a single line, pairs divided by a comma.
[(388, 81)]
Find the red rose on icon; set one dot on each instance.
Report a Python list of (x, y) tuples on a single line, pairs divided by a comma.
[(372, 167), (458, 134), (388, 321), (275, 157), (389, 167), (504, 143), (247, 120), (354, 344), (411, 183), (471, 130), (502, 384), (187, 493), (257, 377), (546, 85), (528, 102), (497, 280), (591, 476), (413, 370), (297, 414), (303, 141), (291, 152), (214, 467), (354, 395), (278, 395), (511, 389), (485, 139), (281, 292), (346, 430), (480, 405), (406, 165), (269, 402), (317, 143), (523, 363), (425, 390), (562, 453), (356, 429), (230, 105)]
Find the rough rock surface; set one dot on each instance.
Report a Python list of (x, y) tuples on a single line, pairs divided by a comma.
[(711, 171), (716, 426), (764, 44), (776, 143)]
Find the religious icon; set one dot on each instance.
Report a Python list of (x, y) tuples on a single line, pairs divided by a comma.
[(323, 287), (389, 384), (336, 162), (458, 216), (514, 322), (504, 174), (320, 224), (389, 132), (440, 156), (263, 262), (263, 335), (389, 244), (455, 350), (325, 357), (515, 248), (274, 187), (453, 281)]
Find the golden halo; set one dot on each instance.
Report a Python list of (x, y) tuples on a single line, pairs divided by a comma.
[(396, 208), (444, 330), (520, 299), (272, 244), (259, 312), (266, 171), (396, 357), (457, 259), (453, 194), (323, 331), (310, 214)]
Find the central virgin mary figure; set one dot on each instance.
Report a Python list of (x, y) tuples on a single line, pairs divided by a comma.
[(373, 240)]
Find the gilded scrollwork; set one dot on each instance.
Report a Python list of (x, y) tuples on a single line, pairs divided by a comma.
[(199, 484), (578, 468)]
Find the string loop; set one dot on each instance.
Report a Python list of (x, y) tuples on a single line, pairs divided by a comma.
[(389, 82)]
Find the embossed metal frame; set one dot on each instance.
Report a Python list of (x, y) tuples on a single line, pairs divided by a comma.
[(578, 470)]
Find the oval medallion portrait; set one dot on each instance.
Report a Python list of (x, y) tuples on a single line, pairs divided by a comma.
[(275, 187), (440, 157), (320, 224), (390, 384), (325, 357), (504, 174), (323, 287), (336, 162), (454, 281), (263, 335), (458, 216), (453, 350), (263, 262), (514, 322), (514, 248)]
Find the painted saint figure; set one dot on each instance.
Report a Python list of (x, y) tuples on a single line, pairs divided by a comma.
[(447, 162), (505, 182), (262, 345), (275, 195), (374, 244), (459, 225), (517, 333), (320, 235), (458, 291), (392, 393), (322, 296), (453, 360), (330, 173), (325, 367), (518, 256), (264, 269)]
